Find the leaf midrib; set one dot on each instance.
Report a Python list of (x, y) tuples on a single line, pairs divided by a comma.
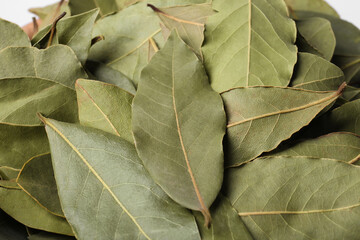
[(96, 175)]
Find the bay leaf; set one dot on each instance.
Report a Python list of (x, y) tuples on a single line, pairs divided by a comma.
[(105, 191), (109, 75), (312, 7), (27, 85), (339, 146), (8, 173), (106, 107), (315, 73), (260, 118), (36, 178), (172, 3), (10, 229), (189, 21), (18, 144), (25, 210), (49, 236), (350, 65), (318, 34), (175, 112), (249, 43), (127, 34), (105, 6), (12, 35), (296, 198), (75, 32), (226, 223)]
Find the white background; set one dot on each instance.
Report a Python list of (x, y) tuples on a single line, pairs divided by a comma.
[(16, 10)]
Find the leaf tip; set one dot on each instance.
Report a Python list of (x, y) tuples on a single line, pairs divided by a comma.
[(155, 9), (207, 216), (341, 88)]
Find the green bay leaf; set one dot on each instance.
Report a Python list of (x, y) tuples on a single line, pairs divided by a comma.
[(12, 35), (249, 43), (175, 112), (312, 7)]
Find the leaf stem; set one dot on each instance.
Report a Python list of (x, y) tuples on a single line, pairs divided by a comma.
[(53, 28)]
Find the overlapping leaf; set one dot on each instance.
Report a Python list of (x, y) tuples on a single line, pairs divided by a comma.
[(311, 7), (106, 107), (174, 112), (259, 118), (27, 86), (12, 35), (249, 43), (115, 199), (297, 198)]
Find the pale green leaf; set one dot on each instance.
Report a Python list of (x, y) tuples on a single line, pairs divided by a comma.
[(315, 73), (260, 118), (297, 198), (38, 81), (36, 178), (49, 13), (318, 34), (313, 7), (339, 146), (106, 107), (105, 191), (12, 35), (249, 42), (105, 6), (175, 112)]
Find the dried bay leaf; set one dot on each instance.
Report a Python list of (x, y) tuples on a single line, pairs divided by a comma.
[(318, 34), (315, 73), (106, 107), (296, 198), (27, 85), (312, 7), (226, 223), (249, 42), (75, 32), (12, 35), (24, 209), (339, 146), (115, 199), (36, 178), (175, 112), (105, 6), (259, 118), (127, 34), (49, 13)]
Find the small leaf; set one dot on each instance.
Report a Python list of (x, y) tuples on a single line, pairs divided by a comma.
[(315, 73), (296, 198), (226, 223), (36, 178), (49, 13), (259, 118), (339, 146), (350, 65), (106, 107), (175, 112), (24, 209), (12, 35), (116, 199), (249, 43), (318, 35)]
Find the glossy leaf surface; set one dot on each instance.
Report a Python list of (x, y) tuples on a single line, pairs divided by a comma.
[(175, 112), (106, 107), (297, 198), (118, 199), (259, 118), (249, 42)]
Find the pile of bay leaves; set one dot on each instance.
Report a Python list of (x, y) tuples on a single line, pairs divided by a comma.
[(180, 119)]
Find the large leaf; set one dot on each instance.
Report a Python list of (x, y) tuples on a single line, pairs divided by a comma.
[(339, 146), (10, 229), (127, 35), (175, 112), (315, 73), (109, 75), (226, 223), (12, 35), (249, 42), (36, 178), (259, 118), (75, 32), (313, 7), (24, 209), (38, 81), (318, 36), (105, 191), (19, 144), (189, 21), (106, 107), (297, 198)]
